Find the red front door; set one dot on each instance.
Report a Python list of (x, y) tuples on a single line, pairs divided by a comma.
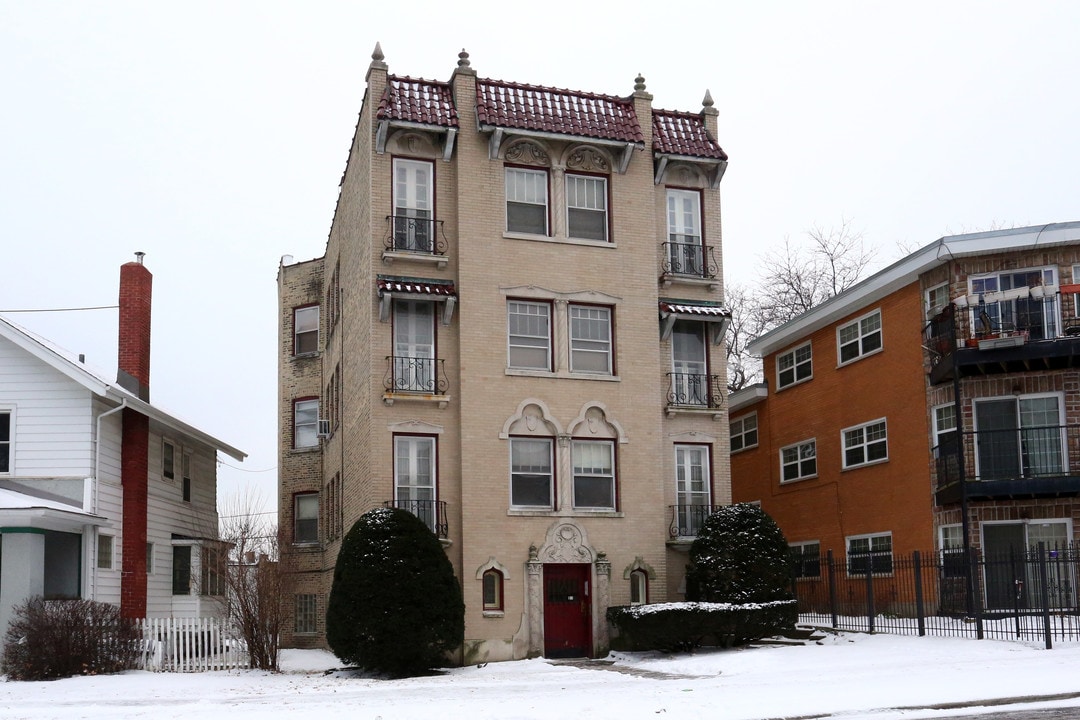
[(567, 611)]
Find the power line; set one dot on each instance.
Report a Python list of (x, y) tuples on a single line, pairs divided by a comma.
[(71, 309), (235, 467)]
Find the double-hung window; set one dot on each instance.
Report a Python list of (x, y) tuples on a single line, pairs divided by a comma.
[(305, 423), (413, 201), (865, 444), (305, 330), (870, 553), (936, 299), (794, 366), (526, 201), (859, 337), (105, 552), (945, 444), (414, 477), (5, 441), (744, 432), (590, 339), (594, 474), (798, 461), (531, 477), (586, 207), (306, 518), (529, 335)]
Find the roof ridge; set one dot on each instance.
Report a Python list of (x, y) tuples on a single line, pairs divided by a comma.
[(551, 88)]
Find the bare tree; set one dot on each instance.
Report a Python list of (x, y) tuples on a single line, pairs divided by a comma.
[(255, 592), (793, 280)]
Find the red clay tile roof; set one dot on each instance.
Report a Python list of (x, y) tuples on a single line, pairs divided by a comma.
[(419, 101), (418, 286), (700, 310), (684, 133), (566, 112)]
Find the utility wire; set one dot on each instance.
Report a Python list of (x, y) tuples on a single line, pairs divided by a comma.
[(71, 309)]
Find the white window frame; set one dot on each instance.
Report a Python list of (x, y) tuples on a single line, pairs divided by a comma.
[(414, 200), (872, 539), (109, 543), (801, 548), (865, 331), (797, 365), (534, 471), (598, 475), (935, 299), (639, 586), (524, 194), (1076, 296), (492, 579), (306, 420), (1063, 450), (582, 196), (677, 226), (524, 340), (857, 437), (305, 324), (583, 346), (410, 485), (740, 432), (1000, 312), (800, 458), (168, 459)]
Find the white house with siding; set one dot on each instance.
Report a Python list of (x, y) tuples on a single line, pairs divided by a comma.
[(103, 495)]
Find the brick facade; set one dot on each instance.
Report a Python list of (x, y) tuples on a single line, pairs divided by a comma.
[(479, 403)]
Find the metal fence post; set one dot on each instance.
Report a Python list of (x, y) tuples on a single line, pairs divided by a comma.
[(920, 608), (832, 590), (1044, 587), (870, 593)]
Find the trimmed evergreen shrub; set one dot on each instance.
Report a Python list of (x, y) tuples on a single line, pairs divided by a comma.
[(739, 556), (395, 606), (52, 639), (681, 627)]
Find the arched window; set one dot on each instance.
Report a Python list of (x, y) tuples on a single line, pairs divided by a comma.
[(493, 590), (639, 587)]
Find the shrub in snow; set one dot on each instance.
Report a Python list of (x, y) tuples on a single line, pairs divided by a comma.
[(680, 627), (51, 639), (395, 606), (739, 556)]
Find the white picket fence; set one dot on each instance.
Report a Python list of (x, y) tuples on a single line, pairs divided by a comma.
[(190, 645)]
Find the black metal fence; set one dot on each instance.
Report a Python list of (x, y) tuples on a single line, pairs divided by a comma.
[(1021, 595)]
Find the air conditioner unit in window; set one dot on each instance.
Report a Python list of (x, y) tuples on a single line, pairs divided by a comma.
[(324, 429)]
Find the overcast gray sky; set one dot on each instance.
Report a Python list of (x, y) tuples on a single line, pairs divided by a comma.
[(212, 135)]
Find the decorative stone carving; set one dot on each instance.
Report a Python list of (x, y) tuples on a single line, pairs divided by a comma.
[(588, 160), (527, 153), (566, 545)]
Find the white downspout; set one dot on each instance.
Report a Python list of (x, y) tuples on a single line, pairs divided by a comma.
[(94, 496)]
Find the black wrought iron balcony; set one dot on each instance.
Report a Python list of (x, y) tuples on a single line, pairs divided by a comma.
[(1024, 462), (432, 512), (687, 520), (408, 234), (406, 374), (687, 256), (688, 390), (1000, 337)]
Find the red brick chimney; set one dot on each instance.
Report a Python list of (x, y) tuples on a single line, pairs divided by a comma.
[(133, 374), (133, 362)]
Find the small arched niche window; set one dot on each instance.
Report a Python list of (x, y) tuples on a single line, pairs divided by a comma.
[(639, 588), (493, 590)]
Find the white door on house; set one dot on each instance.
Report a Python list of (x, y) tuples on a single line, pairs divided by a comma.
[(412, 205), (414, 476), (414, 346), (684, 232), (692, 491)]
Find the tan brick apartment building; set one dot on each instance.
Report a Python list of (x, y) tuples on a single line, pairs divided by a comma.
[(515, 333), (853, 445)]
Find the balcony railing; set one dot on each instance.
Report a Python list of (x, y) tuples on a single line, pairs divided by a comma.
[(422, 236), (406, 374), (687, 390), (687, 520), (432, 512), (687, 256), (1000, 336), (1039, 461)]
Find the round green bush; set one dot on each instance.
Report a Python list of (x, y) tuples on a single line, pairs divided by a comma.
[(395, 606), (739, 556)]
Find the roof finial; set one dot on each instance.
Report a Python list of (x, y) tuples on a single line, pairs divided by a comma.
[(377, 55), (639, 83), (708, 101), (463, 59)]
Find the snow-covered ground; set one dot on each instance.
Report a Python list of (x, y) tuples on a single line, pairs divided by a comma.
[(849, 674)]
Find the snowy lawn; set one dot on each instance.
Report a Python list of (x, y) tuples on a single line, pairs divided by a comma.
[(848, 673)]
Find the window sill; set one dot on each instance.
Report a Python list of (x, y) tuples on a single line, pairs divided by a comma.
[(301, 450), (577, 512), (781, 388), (669, 279), (856, 359), (673, 410), (865, 464), (441, 400), (562, 374), (494, 614), (307, 546), (439, 261), (306, 356), (559, 240), (793, 481), (744, 449)]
